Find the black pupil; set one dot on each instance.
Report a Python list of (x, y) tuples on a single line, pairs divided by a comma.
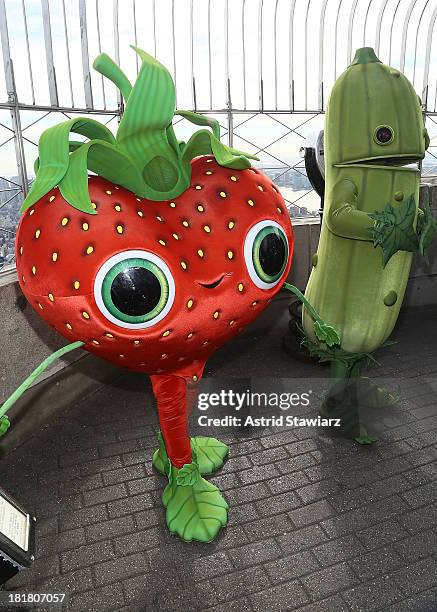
[(384, 134), (135, 291), (272, 254)]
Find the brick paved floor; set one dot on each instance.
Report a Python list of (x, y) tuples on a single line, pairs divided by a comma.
[(316, 523)]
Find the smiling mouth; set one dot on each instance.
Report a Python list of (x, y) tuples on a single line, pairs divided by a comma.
[(214, 284)]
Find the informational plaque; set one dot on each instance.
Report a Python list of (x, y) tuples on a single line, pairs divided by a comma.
[(14, 524)]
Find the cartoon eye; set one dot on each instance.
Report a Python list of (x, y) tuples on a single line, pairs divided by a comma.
[(383, 135), (266, 253), (134, 289)]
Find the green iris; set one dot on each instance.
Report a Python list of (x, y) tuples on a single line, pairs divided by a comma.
[(135, 290), (270, 253)]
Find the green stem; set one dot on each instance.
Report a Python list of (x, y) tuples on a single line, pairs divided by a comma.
[(108, 68), (304, 301), (37, 372)]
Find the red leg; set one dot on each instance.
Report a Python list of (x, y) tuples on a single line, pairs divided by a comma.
[(171, 398)]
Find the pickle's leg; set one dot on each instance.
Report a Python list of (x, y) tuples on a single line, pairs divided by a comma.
[(342, 401)]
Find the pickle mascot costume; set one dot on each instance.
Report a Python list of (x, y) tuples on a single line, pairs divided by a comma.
[(374, 137), (163, 255)]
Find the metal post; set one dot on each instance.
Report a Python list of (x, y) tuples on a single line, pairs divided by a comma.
[(13, 99)]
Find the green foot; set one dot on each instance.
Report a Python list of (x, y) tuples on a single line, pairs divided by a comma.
[(366, 439), (195, 509), (210, 454), (372, 396)]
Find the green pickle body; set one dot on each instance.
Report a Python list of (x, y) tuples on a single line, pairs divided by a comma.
[(349, 285)]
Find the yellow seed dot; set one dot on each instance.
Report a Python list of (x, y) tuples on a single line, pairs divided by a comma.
[(190, 335), (231, 224), (231, 322), (68, 326), (190, 303), (184, 265), (279, 210), (216, 314), (233, 178), (76, 284), (185, 223), (208, 161), (96, 342), (195, 378), (164, 355), (200, 208), (254, 303), (54, 256), (175, 236), (163, 242), (208, 173), (108, 335), (207, 229), (94, 205), (240, 287), (198, 187), (138, 199), (21, 250), (230, 255), (108, 192), (251, 202), (136, 342), (89, 250), (274, 189), (166, 333), (159, 218), (140, 213), (22, 278), (64, 221), (85, 227), (260, 187), (222, 194), (205, 343), (200, 252), (40, 305), (121, 356), (172, 205), (51, 198), (117, 207), (37, 233), (51, 297), (120, 229), (85, 314), (33, 270), (31, 212)]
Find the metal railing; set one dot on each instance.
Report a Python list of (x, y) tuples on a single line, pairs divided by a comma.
[(264, 68)]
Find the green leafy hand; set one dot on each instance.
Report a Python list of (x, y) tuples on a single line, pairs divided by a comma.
[(326, 333), (394, 229)]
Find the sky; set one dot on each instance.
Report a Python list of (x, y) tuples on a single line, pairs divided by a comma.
[(262, 41)]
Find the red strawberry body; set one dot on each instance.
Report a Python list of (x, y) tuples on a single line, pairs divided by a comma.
[(200, 237)]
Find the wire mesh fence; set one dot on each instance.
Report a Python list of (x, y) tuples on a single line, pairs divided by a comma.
[(263, 68)]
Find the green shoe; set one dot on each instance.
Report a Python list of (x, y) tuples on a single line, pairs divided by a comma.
[(195, 509), (372, 396), (210, 453)]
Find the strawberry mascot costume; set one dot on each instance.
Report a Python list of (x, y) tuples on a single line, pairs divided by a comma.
[(161, 256)]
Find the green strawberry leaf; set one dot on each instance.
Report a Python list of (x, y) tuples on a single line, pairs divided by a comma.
[(4, 425), (54, 154), (105, 160), (188, 475), (326, 333), (394, 229)]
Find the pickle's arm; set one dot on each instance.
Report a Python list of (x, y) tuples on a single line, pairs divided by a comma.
[(4, 421), (343, 218)]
